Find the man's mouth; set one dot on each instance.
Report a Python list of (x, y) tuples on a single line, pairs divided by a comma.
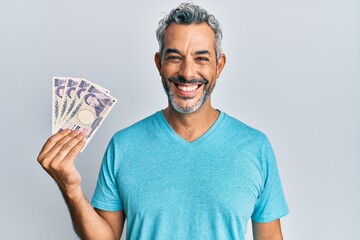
[(187, 88), (187, 85)]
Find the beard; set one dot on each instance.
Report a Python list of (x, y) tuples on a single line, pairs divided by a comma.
[(187, 108)]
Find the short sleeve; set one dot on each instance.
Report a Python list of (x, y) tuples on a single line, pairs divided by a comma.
[(271, 203), (106, 196)]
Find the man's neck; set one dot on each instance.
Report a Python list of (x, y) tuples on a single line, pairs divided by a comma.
[(191, 126)]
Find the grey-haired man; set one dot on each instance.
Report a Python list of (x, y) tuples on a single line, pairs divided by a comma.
[(189, 171)]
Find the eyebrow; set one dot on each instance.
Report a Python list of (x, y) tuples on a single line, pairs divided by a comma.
[(174, 50), (202, 52), (171, 50)]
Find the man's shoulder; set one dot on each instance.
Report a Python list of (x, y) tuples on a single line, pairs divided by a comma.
[(237, 128)]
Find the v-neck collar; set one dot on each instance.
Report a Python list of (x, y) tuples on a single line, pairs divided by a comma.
[(176, 137)]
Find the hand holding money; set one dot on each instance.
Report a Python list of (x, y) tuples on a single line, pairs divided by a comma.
[(79, 104), (79, 107), (58, 156)]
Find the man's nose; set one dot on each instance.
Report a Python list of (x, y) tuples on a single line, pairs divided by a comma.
[(187, 69)]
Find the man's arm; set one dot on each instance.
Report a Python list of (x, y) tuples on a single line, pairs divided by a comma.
[(57, 157), (115, 219), (267, 231)]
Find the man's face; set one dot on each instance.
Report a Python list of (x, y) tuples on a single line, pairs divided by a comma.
[(188, 66)]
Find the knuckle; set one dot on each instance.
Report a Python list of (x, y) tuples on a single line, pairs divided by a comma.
[(79, 136), (61, 143), (45, 166), (74, 133), (63, 152), (66, 146), (44, 160), (52, 139), (52, 167), (72, 154)]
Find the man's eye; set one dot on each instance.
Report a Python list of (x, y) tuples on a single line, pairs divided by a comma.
[(173, 58), (202, 59)]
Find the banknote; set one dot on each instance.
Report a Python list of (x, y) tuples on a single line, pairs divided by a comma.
[(70, 87), (58, 87), (74, 97), (90, 111), (79, 104), (78, 94)]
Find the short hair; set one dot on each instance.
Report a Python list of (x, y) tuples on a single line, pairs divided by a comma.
[(188, 13)]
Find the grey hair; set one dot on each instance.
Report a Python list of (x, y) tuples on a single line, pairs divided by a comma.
[(188, 13)]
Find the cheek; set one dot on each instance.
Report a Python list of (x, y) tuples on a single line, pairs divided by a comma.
[(208, 72), (164, 82), (168, 67)]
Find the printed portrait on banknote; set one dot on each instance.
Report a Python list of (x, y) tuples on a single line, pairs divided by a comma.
[(98, 101)]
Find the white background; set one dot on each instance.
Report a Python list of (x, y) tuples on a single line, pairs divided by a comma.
[(293, 72)]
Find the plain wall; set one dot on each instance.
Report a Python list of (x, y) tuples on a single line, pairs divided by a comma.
[(292, 71)]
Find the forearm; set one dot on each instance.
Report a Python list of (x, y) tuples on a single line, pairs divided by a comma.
[(88, 224), (57, 157)]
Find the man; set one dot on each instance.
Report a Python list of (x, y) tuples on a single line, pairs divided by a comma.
[(187, 172)]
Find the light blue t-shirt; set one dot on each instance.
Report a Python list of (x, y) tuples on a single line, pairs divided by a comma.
[(173, 189)]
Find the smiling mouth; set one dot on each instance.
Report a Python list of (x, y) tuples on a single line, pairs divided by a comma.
[(187, 87)]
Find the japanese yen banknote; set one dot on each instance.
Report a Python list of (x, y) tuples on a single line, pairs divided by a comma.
[(79, 104)]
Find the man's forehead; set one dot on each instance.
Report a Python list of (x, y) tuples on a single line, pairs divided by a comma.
[(199, 37), (200, 28)]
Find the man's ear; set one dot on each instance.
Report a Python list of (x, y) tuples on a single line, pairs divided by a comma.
[(220, 64), (157, 59)]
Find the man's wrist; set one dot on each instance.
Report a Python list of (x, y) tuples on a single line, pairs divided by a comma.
[(73, 195)]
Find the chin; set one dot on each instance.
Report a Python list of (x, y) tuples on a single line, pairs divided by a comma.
[(189, 109)]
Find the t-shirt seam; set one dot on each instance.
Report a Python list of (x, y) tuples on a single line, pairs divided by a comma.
[(105, 206), (281, 213)]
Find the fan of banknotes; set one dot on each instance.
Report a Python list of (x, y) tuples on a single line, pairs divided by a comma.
[(79, 104)]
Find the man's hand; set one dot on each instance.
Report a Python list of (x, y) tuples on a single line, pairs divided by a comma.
[(58, 156)]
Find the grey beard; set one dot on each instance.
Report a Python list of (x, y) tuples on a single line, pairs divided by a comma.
[(197, 106)]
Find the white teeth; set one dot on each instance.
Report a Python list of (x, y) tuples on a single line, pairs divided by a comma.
[(187, 88)]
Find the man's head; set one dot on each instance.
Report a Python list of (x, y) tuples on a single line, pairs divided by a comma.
[(188, 13), (190, 58)]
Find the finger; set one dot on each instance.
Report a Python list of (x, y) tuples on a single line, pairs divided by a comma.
[(48, 158), (69, 160), (49, 144), (76, 149), (64, 141), (69, 150)]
